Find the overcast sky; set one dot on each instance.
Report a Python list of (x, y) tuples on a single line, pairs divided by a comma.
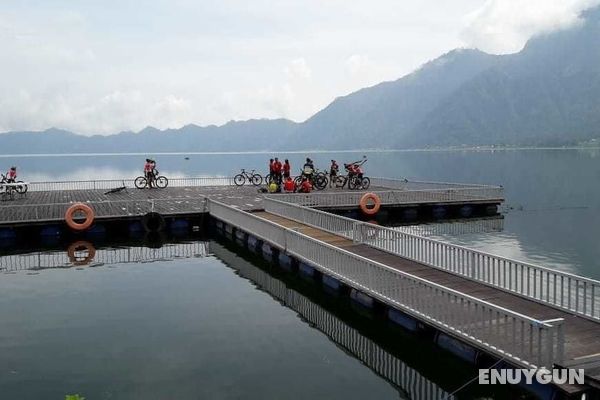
[(106, 66)]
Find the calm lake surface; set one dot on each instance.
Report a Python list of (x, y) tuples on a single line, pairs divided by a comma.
[(197, 320), (217, 323)]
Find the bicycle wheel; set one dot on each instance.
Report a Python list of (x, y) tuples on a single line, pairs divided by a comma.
[(22, 189), (161, 182), (340, 182), (257, 179), (353, 183), (298, 181), (239, 180), (320, 181), (140, 182), (366, 182)]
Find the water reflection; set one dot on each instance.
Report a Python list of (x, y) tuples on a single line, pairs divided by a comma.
[(84, 253), (415, 369), (411, 384), (454, 228)]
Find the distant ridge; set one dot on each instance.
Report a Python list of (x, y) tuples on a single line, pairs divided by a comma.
[(548, 94)]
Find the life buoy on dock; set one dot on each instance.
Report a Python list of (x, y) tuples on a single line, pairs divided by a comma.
[(153, 222), (86, 210), (364, 203), (81, 245)]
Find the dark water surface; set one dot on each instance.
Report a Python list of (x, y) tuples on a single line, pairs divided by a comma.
[(209, 326)]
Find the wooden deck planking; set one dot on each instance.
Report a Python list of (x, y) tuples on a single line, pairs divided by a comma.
[(582, 336)]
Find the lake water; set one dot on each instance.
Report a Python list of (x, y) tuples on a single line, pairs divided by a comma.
[(203, 322), (552, 212), (220, 324)]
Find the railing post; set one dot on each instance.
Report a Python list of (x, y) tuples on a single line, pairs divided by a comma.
[(358, 232)]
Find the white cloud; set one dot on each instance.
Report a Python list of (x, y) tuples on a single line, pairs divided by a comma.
[(504, 26), (298, 69)]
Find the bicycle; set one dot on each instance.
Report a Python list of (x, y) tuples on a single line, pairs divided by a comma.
[(9, 187), (318, 179), (159, 181), (353, 180), (252, 177)]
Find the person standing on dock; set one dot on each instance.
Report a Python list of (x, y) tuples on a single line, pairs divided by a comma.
[(333, 172), (271, 166), (11, 175), (277, 167), (149, 171), (286, 169), (308, 168)]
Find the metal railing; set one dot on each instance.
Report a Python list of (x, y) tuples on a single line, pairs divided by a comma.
[(525, 340), (404, 184), (392, 197), (107, 184), (27, 213), (558, 289)]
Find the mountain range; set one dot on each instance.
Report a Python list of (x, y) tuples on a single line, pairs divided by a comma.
[(546, 94)]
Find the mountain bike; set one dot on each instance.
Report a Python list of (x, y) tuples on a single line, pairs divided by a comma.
[(250, 177), (354, 182), (157, 180), (10, 187), (318, 179)]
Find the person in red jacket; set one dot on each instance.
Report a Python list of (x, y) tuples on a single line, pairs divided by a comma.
[(271, 164), (305, 186), (289, 186), (286, 169), (11, 175), (149, 172), (277, 168)]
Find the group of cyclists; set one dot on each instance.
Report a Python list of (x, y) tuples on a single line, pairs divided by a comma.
[(280, 175)]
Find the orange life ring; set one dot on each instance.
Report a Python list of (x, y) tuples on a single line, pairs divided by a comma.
[(89, 217), (81, 245), (364, 203)]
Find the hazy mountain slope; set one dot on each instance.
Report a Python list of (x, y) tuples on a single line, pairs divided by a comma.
[(375, 116), (549, 93)]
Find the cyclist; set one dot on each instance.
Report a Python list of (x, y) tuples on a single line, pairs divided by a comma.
[(305, 186), (286, 168), (277, 167), (11, 175), (271, 166), (308, 169), (333, 172), (149, 171), (289, 186)]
